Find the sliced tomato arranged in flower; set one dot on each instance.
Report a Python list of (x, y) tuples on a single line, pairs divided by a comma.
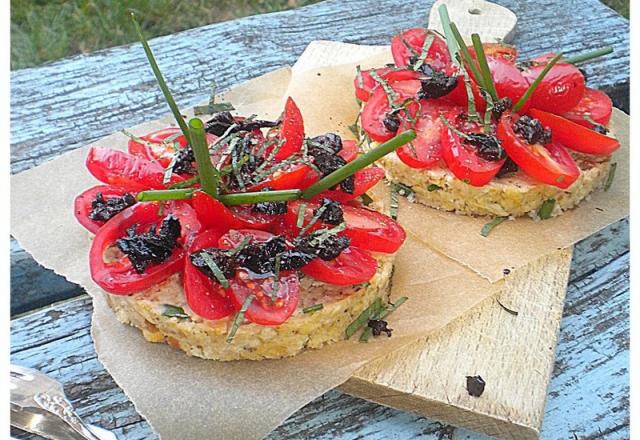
[(365, 83), (246, 217), (158, 145), (212, 213), (273, 300), (349, 150), (560, 90), (595, 106), (206, 297), (497, 51), (425, 151), (290, 132), (551, 164), (352, 266), (409, 44), (83, 204), (363, 179), (118, 275), (576, 137), (287, 177), (122, 169), (462, 158), (377, 108)]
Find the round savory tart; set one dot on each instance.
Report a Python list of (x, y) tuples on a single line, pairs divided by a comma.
[(237, 247), (495, 137)]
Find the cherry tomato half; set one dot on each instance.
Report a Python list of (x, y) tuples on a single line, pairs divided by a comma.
[(594, 105), (364, 180), (122, 169), (576, 137), (352, 266), (262, 309), (551, 164), (291, 130), (212, 213), (119, 277), (410, 42), (559, 91), (83, 204), (155, 149), (497, 51), (206, 297), (388, 74)]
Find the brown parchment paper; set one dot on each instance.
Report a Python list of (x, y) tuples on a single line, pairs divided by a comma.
[(332, 107), (189, 398)]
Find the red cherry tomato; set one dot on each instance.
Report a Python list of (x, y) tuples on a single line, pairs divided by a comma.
[(462, 158), (211, 213), (437, 55), (364, 180), (497, 51), (288, 177), (595, 105), (291, 131), (388, 74), (576, 137), (206, 297), (262, 309), (154, 149), (245, 217), (122, 169), (83, 204), (349, 150), (551, 164), (352, 266), (377, 107), (425, 151), (559, 91), (119, 276)]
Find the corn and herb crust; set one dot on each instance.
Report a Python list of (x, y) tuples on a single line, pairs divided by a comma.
[(515, 195)]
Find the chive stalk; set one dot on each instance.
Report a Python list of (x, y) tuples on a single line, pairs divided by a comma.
[(163, 85), (208, 175), (464, 51), (368, 331), (448, 35), (285, 195), (185, 183), (589, 55), (484, 67), (360, 162), (536, 82), (165, 194)]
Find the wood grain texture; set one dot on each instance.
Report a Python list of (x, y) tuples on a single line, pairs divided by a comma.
[(588, 394), (86, 97)]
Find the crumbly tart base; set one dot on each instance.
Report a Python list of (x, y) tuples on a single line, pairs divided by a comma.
[(207, 339), (516, 195)]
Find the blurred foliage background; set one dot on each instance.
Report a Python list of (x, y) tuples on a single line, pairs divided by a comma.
[(46, 30)]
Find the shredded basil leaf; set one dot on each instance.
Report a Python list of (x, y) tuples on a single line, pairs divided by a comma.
[(239, 318), (302, 209), (612, 174), (383, 313), (425, 49), (393, 210), (215, 269), (366, 199), (433, 187), (486, 229), (172, 311), (313, 308), (546, 209), (363, 318)]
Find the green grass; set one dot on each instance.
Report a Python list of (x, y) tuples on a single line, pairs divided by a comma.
[(45, 30)]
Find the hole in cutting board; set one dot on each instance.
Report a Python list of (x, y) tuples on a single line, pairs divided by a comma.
[(474, 11)]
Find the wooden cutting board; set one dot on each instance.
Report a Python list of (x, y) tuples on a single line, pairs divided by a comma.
[(514, 354)]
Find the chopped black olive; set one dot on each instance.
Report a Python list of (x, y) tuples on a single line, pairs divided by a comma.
[(327, 163), (506, 271), (103, 209), (391, 121), (475, 385), (332, 213), (295, 259), (221, 121), (184, 162), (271, 208), (225, 262), (584, 73), (532, 130), (348, 185), (379, 326), (436, 84), (152, 247), (260, 257), (488, 146), (325, 246), (501, 106), (599, 128), (508, 167), (329, 143)]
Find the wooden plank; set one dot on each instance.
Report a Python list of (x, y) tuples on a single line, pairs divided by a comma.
[(111, 89), (588, 391)]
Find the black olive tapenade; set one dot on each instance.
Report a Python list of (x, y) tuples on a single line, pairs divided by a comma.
[(435, 84), (487, 146), (391, 121), (532, 130), (509, 167), (221, 121), (329, 143), (501, 106), (379, 326), (103, 209), (324, 246), (332, 213), (184, 162), (324, 149), (152, 247)]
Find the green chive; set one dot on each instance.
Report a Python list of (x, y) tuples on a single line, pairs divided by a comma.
[(185, 183), (433, 187), (171, 311), (169, 170), (313, 308), (359, 76), (250, 198), (546, 209), (486, 229), (213, 108), (425, 50), (215, 269), (446, 27), (368, 331), (165, 194), (163, 85), (239, 317), (360, 162), (392, 96), (302, 209), (208, 175), (364, 317), (612, 174), (464, 51), (393, 209), (535, 83), (589, 55), (484, 66)]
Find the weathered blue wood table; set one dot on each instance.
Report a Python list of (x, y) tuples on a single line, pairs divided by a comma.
[(69, 103)]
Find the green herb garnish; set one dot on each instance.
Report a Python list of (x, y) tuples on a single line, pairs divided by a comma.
[(239, 318), (171, 311), (359, 76), (383, 313), (364, 317), (393, 209), (536, 82), (425, 50), (486, 229), (612, 174), (484, 67), (589, 55), (313, 308), (213, 108), (546, 209), (366, 199), (302, 209), (208, 175), (165, 194), (215, 269), (433, 187)]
